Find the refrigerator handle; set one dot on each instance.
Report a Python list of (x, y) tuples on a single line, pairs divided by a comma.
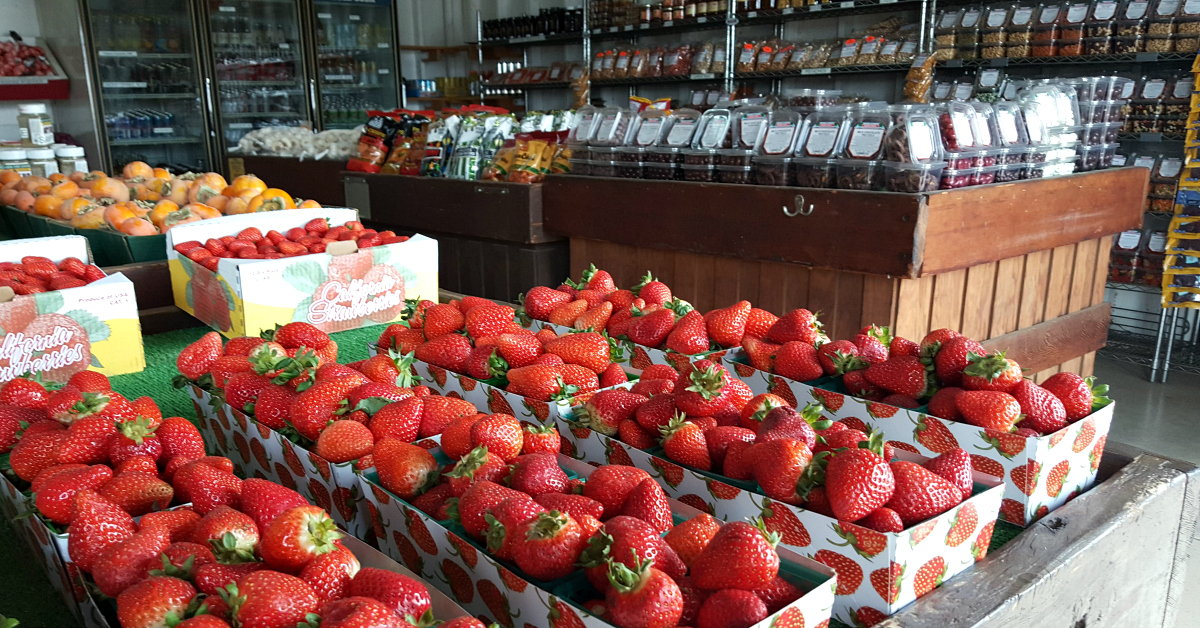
[(312, 98), (208, 101)]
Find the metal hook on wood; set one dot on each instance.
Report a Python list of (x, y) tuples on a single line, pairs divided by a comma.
[(801, 210)]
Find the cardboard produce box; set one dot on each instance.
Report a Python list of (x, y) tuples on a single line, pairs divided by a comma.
[(245, 296), (62, 332), (878, 573), (491, 590), (1040, 473)]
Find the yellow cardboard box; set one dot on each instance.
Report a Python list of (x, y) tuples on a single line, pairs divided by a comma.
[(245, 296), (62, 332)]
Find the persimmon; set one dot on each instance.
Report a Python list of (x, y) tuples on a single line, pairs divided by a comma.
[(57, 177), (218, 202), (272, 199), (116, 215), (110, 188), (308, 204), (8, 196), (89, 179), (248, 182), (47, 205), (162, 173), (138, 227), (160, 211), (77, 176), (205, 186), (182, 216), (137, 170), (36, 185), (142, 192), (202, 210), (9, 176), (90, 217), (65, 189), (75, 206), (140, 208), (24, 201)]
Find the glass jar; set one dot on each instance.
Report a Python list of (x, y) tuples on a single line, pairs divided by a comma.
[(71, 159), (14, 159), (36, 128), (41, 162)]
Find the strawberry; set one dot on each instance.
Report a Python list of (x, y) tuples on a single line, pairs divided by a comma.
[(476, 465), (798, 361), (651, 328), (904, 375), (836, 356), (595, 318), (953, 357), (456, 437), (587, 349), (503, 523), (598, 280), (621, 320), (487, 320), (759, 322), (344, 441), (408, 598), (799, 324), (24, 393), (198, 358), (145, 408), (297, 536), (611, 484), (437, 412), (648, 502), (55, 490), (542, 300), (179, 522), (450, 351), (574, 505), (87, 441), (179, 559), (401, 420), (404, 469), (207, 487), (143, 464), (650, 387), (932, 343), (358, 612), (991, 372), (786, 422), (857, 481), (134, 438), (548, 546), (96, 524), (684, 442), (269, 598), (778, 467), (263, 500), (1080, 396), (154, 602), (534, 474), (989, 408), (702, 395), (517, 350), (627, 540), (739, 556), (689, 335), (731, 608), (920, 493), (179, 437), (954, 466), (753, 412), (760, 353), (123, 564), (1043, 411), (138, 492), (442, 319), (652, 291), (232, 535), (882, 519), (500, 434), (211, 579), (719, 438), (727, 326), (903, 346), (314, 408), (566, 314), (613, 375), (642, 597), (690, 537), (36, 452), (605, 410), (944, 403)]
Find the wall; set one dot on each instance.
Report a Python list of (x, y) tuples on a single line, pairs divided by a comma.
[(20, 16)]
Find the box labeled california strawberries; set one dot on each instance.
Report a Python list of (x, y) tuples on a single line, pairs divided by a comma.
[(247, 292), (67, 315)]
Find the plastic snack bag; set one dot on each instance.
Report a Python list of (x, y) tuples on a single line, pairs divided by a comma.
[(374, 143)]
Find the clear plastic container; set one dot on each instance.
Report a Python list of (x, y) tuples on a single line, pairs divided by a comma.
[(1009, 156), (969, 24), (1045, 25), (913, 178), (787, 128), (692, 172), (1092, 112), (1010, 125), (827, 131), (1162, 19), (1129, 45), (604, 168), (714, 129), (1132, 18), (661, 171), (1098, 45), (867, 130), (914, 136), (750, 126), (652, 123), (1093, 134), (1010, 172), (815, 98), (1102, 19), (735, 174), (629, 169), (1087, 158), (961, 159), (983, 175), (740, 157), (858, 174), (1019, 28), (987, 156), (1071, 29), (699, 156), (612, 127), (630, 154), (1160, 43), (994, 20), (945, 30), (813, 172), (580, 166), (1108, 155), (1187, 43), (680, 128), (71, 159), (953, 178), (773, 170), (586, 121), (955, 125), (983, 125), (663, 154)]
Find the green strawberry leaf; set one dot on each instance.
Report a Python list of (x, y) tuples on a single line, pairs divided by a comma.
[(96, 362), (228, 294), (97, 330), (187, 266), (380, 255), (48, 302), (301, 313), (305, 277)]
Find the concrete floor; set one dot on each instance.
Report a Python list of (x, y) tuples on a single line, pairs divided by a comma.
[(1159, 418)]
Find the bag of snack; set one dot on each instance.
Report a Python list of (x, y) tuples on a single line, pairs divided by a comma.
[(374, 143)]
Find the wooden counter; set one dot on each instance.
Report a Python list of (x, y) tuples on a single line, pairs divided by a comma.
[(319, 180), (991, 261)]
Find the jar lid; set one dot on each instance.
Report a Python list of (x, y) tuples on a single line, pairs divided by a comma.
[(40, 153), (11, 154), (31, 108), (69, 151)]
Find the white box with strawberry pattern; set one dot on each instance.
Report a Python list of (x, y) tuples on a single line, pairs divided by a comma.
[(878, 573), (491, 591), (1041, 473)]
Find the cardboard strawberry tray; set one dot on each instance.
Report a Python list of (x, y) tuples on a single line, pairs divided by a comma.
[(495, 590), (258, 451), (634, 357), (488, 394), (878, 573), (61, 332), (1041, 473), (335, 293)]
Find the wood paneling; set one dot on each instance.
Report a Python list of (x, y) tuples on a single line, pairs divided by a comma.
[(978, 301), (947, 306), (1054, 342), (1006, 300)]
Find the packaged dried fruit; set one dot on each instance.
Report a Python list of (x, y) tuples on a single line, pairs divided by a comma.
[(867, 130), (781, 57), (913, 137), (746, 56), (773, 170), (692, 172), (1102, 18), (1019, 28), (677, 61), (703, 58), (762, 62), (1162, 18), (946, 31), (735, 174), (714, 129), (785, 130), (814, 172), (913, 178), (827, 130)]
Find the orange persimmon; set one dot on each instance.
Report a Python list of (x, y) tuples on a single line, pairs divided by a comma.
[(90, 217), (160, 211), (8, 196), (138, 227), (137, 170), (116, 215), (36, 185), (73, 207), (47, 205), (110, 188), (24, 201), (247, 182), (65, 189), (91, 178), (9, 176), (205, 186), (272, 199), (203, 211), (308, 204), (182, 216), (218, 202), (162, 173), (57, 177)]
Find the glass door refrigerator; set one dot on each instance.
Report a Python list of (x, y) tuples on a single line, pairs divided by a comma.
[(148, 86), (259, 69), (355, 60)]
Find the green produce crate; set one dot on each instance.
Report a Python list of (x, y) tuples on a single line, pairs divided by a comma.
[(113, 249), (18, 222)]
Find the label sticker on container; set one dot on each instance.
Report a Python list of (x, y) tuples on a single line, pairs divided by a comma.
[(1182, 88), (920, 140), (123, 85), (1166, 8), (1022, 15), (355, 18), (1158, 241), (849, 49), (1136, 10), (1118, 160), (606, 127), (227, 9), (942, 90), (751, 128), (889, 48), (622, 60), (324, 16), (996, 17), (869, 46), (1191, 7), (128, 54), (163, 130), (1007, 124), (908, 48), (948, 20), (970, 18), (1077, 13), (681, 132), (1049, 14), (919, 60), (779, 137), (1144, 161), (1105, 10), (989, 77), (979, 127), (865, 140), (714, 132), (764, 56), (963, 91), (648, 132), (821, 138), (241, 125), (1169, 167), (962, 129), (1153, 88), (1129, 240), (747, 54)]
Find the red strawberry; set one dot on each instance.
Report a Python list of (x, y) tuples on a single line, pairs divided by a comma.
[(779, 466), (263, 500), (731, 608), (500, 434), (613, 375), (206, 487), (198, 358), (684, 443), (1043, 411), (488, 320), (882, 519), (834, 356), (548, 546), (473, 506), (314, 408), (574, 505), (643, 597), (991, 372), (449, 351), (56, 490), (594, 319), (406, 597), (270, 598), (727, 326), (719, 438), (358, 612), (870, 349), (651, 291), (857, 385), (689, 335), (542, 300), (37, 451), (955, 466), (739, 556), (690, 537), (1080, 396), (704, 393), (797, 361), (232, 535), (534, 474), (648, 502), (179, 437), (920, 493), (759, 322), (138, 492), (605, 410), (437, 412), (904, 375), (180, 522), (587, 349), (858, 481), (504, 521), (403, 468), (943, 404), (96, 524), (566, 314), (989, 408), (953, 357), (651, 328), (123, 564), (611, 484), (799, 324), (154, 602), (344, 441)]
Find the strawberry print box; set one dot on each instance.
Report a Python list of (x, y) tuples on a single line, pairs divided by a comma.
[(634, 357), (485, 395), (1040, 473), (492, 592), (335, 293), (878, 573), (59, 332)]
